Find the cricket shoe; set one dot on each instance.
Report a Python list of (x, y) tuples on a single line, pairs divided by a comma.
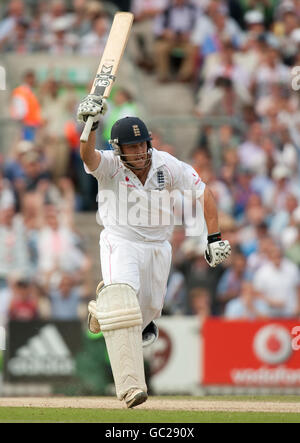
[(135, 397), (150, 334), (93, 323)]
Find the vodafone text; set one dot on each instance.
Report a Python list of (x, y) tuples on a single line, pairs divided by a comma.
[(296, 339)]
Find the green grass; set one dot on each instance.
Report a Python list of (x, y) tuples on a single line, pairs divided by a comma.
[(261, 398), (76, 415), (72, 415)]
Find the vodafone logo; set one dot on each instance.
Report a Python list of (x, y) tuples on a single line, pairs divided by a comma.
[(272, 344)]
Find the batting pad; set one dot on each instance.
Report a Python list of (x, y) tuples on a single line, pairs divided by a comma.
[(120, 318)]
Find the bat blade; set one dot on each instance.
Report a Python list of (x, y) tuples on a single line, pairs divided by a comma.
[(110, 61)]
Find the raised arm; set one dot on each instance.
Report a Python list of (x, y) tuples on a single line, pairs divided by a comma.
[(88, 154)]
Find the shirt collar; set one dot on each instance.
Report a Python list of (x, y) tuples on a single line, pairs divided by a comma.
[(157, 159)]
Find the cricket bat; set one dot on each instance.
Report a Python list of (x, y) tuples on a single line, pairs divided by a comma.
[(109, 64)]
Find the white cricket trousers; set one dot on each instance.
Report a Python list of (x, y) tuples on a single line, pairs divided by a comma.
[(143, 265)]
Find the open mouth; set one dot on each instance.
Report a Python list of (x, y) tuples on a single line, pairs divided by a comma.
[(139, 159)]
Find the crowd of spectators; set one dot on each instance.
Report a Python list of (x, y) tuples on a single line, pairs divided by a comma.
[(237, 57), (45, 270), (54, 27)]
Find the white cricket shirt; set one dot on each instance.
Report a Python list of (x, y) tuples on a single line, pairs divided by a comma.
[(146, 212)]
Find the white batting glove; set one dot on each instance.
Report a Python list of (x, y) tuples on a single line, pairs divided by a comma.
[(93, 323), (91, 106), (217, 250)]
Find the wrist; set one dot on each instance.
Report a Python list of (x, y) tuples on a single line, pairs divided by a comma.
[(216, 236)]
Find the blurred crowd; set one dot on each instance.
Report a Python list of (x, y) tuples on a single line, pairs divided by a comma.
[(237, 56), (45, 270)]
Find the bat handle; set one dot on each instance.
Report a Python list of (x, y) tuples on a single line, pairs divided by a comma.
[(87, 129)]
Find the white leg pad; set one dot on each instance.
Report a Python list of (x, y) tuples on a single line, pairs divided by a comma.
[(120, 318)]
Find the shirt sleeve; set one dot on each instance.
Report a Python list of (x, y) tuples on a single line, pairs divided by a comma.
[(189, 180), (106, 168), (183, 176)]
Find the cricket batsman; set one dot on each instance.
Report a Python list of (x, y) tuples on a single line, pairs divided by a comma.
[(136, 256)]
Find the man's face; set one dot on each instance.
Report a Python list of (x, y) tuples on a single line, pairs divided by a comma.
[(179, 2), (227, 54), (66, 285), (20, 31), (23, 289), (16, 7), (255, 133), (272, 55), (136, 154), (32, 169), (7, 215), (290, 20), (57, 8), (291, 203), (100, 26)]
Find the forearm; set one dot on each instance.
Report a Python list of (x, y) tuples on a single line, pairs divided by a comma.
[(87, 149), (88, 154), (217, 249), (211, 212)]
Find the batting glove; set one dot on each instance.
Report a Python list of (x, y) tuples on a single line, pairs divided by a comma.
[(91, 106), (217, 250), (93, 323)]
